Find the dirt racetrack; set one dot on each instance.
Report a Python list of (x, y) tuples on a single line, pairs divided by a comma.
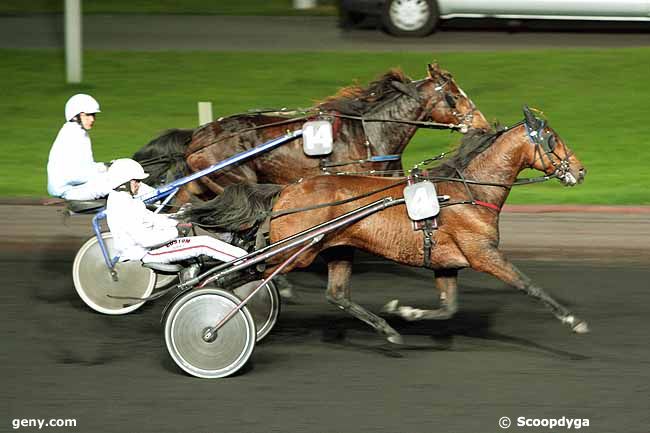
[(321, 370)]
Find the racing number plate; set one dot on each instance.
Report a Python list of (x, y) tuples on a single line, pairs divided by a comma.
[(421, 200), (317, 138)]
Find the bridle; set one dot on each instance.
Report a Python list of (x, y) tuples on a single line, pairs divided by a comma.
[(464, 120), (545, 144)]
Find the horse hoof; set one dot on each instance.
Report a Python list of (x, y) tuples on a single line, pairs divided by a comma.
[(581, 328), (286, 293), (391, 307), (395, 339)]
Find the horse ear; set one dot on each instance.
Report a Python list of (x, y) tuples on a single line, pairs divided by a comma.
[(531, 120), (407, 90), (433, 69)]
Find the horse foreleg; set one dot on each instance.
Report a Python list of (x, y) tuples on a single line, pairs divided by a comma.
[(447, 285), (338, 293), (496, 264)]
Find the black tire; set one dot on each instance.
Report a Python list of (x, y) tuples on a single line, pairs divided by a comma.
[(421, 24)]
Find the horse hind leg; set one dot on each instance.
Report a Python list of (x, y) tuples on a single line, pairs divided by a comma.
[(338, 293), (447, 285)]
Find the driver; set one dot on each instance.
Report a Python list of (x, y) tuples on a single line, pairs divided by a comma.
[(140, 234), (72, 172)]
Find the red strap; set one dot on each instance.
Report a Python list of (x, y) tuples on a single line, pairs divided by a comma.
[(486, 204)]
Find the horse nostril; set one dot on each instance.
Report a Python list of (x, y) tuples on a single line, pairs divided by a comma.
[(582, 172)]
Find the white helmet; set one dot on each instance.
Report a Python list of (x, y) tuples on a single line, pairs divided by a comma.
[(124, 170), (80, 103)]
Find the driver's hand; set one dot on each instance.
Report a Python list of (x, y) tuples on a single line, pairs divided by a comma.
[(184, 228)]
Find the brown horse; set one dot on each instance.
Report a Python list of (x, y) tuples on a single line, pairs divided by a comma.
[(467, 233), (366, 123)]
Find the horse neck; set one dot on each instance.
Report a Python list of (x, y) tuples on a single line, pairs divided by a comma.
[(388, 138), (500, 163)]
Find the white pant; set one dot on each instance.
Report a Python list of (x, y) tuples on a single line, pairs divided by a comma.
[(97, 187), (185, 248)]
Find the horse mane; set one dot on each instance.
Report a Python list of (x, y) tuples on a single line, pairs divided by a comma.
[(164, 157), (357, 100), (240, 207), (475, 142)]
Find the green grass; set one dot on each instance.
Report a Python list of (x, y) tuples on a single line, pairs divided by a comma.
[(596, 100), (200, 7)]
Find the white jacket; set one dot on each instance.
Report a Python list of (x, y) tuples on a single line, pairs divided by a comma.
[(71, 160), (135, 228)]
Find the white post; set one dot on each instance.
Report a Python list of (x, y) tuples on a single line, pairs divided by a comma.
[(73, 40), (304, 4), (205, 113)]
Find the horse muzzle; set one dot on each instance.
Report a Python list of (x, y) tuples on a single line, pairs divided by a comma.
[(570, 179)]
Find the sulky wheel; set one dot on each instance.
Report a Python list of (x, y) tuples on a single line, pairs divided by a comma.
[(264, 306), (165, 280), (186, 321), (93, 281)]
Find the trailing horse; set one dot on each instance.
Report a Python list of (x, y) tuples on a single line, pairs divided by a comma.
[(477, 178), (377, 120)]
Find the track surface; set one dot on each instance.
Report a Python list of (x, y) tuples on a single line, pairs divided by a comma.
[(322, 371), (219, 33)]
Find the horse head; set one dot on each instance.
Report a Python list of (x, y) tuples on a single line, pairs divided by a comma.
[(449, 103), (549, 153)]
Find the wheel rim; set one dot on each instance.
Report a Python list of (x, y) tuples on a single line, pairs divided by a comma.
[(264, 306), (409, 15), (188, 319), (93, 281)]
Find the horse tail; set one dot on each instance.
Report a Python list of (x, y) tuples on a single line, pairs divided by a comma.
[(240, 207), (164, 157)]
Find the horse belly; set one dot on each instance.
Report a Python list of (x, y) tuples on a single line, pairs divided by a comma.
[(445, 254)]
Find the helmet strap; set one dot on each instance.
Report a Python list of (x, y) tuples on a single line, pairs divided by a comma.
[(130, 189), (125, 187)]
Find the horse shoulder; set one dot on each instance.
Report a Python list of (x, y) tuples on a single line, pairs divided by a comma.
[(472, 228)]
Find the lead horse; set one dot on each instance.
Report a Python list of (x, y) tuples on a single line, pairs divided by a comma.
[(376, 120), (477, 178)]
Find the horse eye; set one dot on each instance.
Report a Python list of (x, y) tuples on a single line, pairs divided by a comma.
[(551, 142), (450, 100)]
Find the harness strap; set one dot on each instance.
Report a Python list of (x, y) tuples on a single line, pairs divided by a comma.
[(376, 159), (473, 203), (488, 205), (428, 242)]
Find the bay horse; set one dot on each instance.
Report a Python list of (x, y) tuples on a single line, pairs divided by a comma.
[(366, 123), (468, 231)]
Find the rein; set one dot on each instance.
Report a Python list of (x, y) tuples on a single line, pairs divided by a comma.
[(418, 123), (275, 214), (422, 124), (526, 181), (162, 158), (517, 182)]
